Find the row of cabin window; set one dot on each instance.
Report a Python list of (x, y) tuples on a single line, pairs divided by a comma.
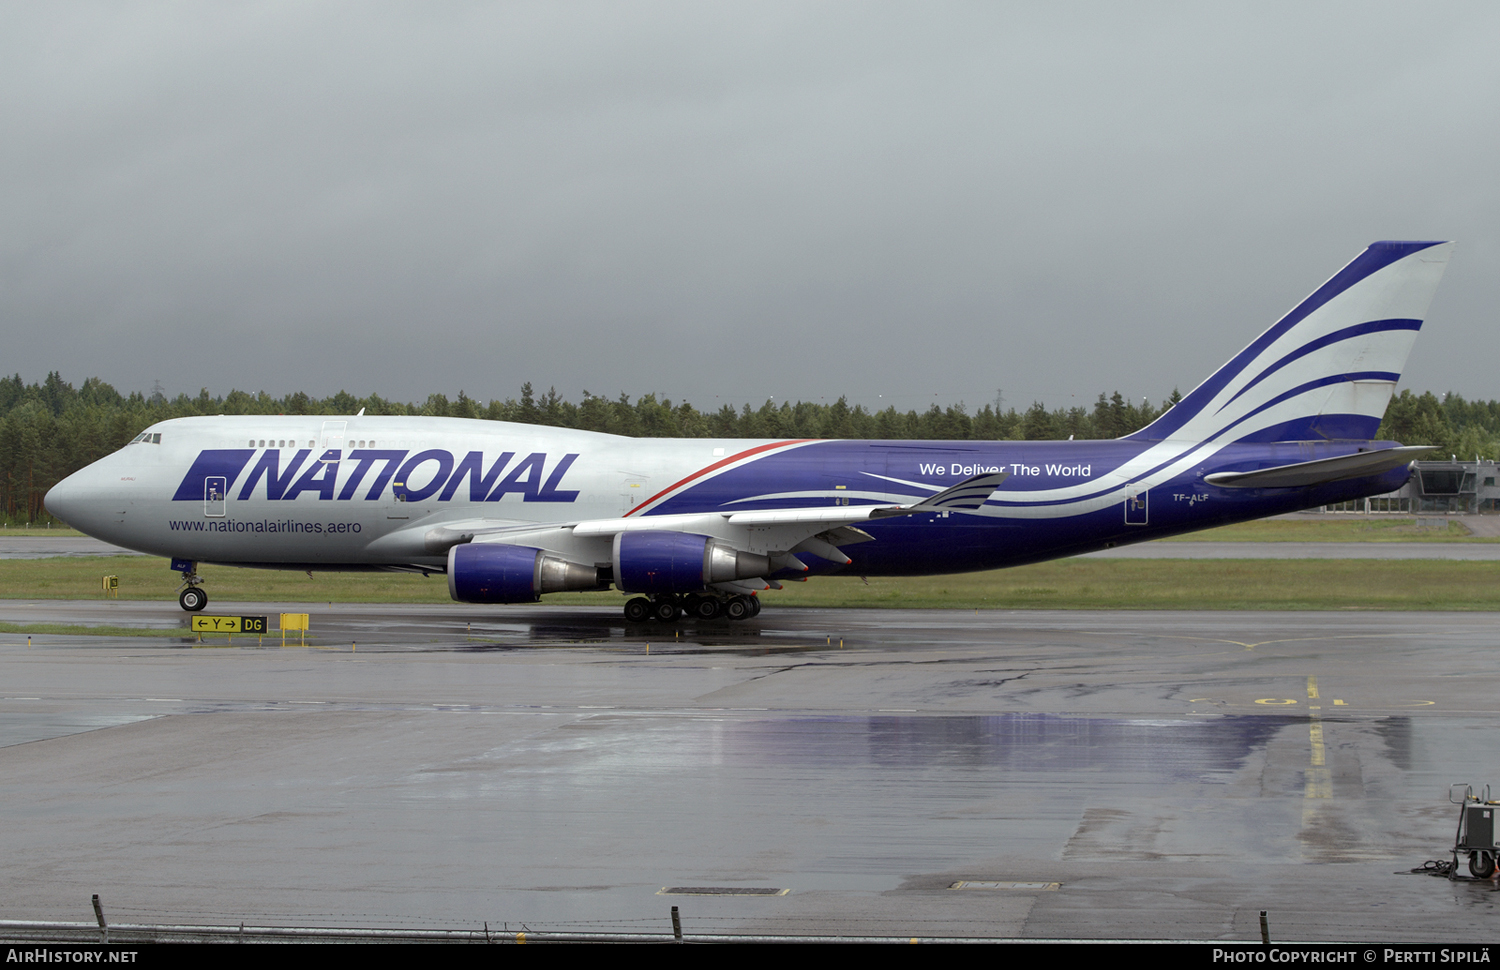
[(291, 444)]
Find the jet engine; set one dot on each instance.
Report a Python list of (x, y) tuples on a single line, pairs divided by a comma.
[(489, 572), (676, 562)]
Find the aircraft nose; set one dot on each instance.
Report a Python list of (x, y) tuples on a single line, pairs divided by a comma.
[(82, 501), (65, 499)]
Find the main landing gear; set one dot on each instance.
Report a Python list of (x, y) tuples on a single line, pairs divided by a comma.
[(666, 608), (190, 595)]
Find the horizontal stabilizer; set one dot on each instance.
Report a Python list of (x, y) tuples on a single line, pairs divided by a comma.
[(1322, 471)]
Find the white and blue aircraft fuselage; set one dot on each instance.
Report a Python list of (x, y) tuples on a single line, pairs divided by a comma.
[(510, 512)]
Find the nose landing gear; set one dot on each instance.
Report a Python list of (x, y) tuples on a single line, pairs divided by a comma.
[(191, 595)]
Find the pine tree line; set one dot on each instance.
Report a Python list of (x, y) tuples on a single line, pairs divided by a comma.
[(49, 430)]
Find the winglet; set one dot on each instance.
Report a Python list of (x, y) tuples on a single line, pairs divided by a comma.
[(967, 496)]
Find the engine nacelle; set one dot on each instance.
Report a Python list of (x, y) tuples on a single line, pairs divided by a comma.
[(676, 562), (489, 572)]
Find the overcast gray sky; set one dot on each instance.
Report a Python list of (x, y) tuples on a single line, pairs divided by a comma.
[(901, 203)]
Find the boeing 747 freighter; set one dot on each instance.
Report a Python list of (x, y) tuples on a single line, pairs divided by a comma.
[(512, 512)]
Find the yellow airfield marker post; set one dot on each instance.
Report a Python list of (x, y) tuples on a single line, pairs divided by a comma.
[(294, 621)]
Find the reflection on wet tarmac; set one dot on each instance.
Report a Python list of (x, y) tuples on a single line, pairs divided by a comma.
[(1150, 751), (548, 765)]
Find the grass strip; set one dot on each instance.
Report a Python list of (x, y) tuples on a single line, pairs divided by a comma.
[(1116, 584), (1330, 528), (27, 532), (1335, 529)]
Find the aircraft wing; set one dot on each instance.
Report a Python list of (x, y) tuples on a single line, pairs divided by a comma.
[(778, 532)]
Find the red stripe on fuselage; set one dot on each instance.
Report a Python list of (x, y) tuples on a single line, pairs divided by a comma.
[(718, 464)]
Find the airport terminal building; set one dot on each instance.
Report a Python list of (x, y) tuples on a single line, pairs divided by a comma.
[(1438, 487)]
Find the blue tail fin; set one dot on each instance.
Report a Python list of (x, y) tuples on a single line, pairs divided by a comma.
[(1326, 370)]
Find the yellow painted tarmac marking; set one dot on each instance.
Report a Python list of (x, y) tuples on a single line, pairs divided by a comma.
[(1319, 781)]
